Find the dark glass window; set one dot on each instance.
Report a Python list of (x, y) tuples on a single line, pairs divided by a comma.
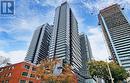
[(7, 81), (24, 74), (32, 75), (27, 67), (30, 81), (22, 81), (33, 69), (2, 81), (1, 70)]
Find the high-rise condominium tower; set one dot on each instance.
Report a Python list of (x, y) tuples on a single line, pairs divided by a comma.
[(116, 30), (39, 47), (65, 42), (86, 56)]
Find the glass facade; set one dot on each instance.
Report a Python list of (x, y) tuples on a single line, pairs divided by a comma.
[(86, 56), (65, 39), (116, 30), (39, 47)]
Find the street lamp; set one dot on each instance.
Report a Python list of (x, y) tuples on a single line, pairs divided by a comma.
[(109, 72)]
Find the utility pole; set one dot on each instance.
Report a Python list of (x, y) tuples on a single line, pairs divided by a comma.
[(109, 72)]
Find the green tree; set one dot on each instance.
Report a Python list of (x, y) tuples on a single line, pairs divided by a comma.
[(99, 69), (118, 73)]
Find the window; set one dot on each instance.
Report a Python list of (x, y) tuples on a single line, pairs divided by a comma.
[(5, 69), (32, 75), (27, 67), (1, 70), (30, 81), (24, 74), (1, 76), (6, 75), (22, 81), (33, 69), (9, 74), (12, 67), (7, 81), (38, 77), (2, 81)]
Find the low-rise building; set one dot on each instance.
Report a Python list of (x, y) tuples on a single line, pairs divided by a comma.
[(22, 72)]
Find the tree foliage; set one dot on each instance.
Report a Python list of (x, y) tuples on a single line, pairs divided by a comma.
[(46, 71), (118, 73), (100, 70)]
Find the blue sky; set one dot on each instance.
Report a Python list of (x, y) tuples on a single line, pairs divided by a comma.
[(16, 31)]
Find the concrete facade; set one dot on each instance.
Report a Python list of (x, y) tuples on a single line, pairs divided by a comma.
[(116, 30)]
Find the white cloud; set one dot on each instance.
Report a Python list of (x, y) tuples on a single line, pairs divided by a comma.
[(2, 29), (15, 56), (26, 22), (3, 43), (80, 20), (97, 42), (53, 3), (22, 27), (96, 5), (29, 24), (95, 37), (49, 2), (31, 21)]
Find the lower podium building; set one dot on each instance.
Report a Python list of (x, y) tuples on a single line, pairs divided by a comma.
[(19, 73)]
